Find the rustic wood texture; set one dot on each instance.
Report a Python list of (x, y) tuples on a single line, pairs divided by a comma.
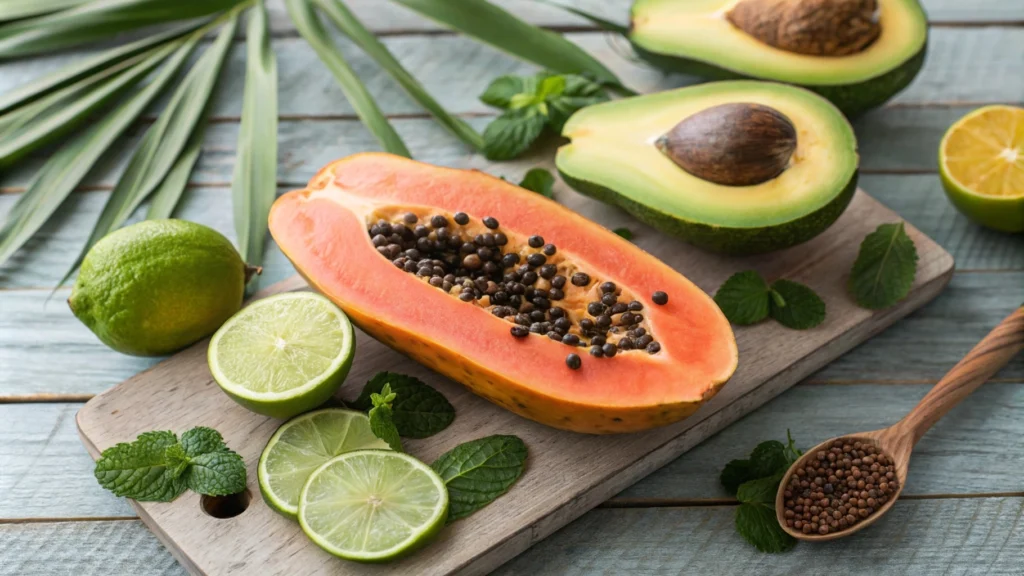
[(568, 473)]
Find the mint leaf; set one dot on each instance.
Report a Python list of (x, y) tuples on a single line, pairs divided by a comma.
[(744, 298), (579, 93), (501, 91), (761, 490), (884, 270), (767, 459), (624, 232), (202, 440), (418, 411), (511, 134), (478, 472), (540, 181), (550, 87), (177, 460), (735, 474), (139, 470), (758, 525), (382, 422), (216, 474), (796, 306)]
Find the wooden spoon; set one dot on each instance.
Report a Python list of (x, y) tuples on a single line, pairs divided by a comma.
[(980, 364)]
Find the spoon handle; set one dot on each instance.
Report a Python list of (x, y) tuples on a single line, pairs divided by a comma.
[(980, 364)]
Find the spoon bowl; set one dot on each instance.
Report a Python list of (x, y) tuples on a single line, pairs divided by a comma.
[(898, 440)]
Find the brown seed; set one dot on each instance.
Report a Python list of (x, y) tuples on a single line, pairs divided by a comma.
[(535, 241), (580, 279), (471, 262), (550, 249), (461, 218), (491, 223)]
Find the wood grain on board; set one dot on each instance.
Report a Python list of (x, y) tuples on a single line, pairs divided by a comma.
[(568, 473)]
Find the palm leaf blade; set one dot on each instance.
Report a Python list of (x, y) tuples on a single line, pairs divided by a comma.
[(347, 22), (495, 26), (17, 9), (66, 169), (254, 185), (165, 198), (359, 97)]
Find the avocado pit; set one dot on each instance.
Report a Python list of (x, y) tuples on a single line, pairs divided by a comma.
[(734, 144), (810, 27)]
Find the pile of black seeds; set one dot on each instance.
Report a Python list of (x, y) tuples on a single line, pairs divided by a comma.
[(839, 487), (524, 290)]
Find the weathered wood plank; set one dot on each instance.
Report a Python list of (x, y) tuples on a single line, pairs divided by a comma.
[(48, 474), (919, 537), (973, 65)]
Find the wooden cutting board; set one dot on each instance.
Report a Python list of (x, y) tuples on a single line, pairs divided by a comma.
[(567, 473)]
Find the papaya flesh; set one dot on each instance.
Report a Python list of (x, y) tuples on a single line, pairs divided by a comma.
[(456, 322)]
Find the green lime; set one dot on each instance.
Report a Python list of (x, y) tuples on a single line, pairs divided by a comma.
[(157, 286), (303, 444), (283, 355), (373, 505)]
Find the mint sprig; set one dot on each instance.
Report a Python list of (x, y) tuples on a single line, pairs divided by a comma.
[(885, 267), (755, 481), (382, 422), (540, 181), (418, 411), (156, 467), (478, 472), (745, 299), (533, 104)]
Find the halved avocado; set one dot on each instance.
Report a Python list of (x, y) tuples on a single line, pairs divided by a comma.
[(616, 155), (699, 37)]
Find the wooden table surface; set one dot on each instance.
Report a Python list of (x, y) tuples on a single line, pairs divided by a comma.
[(964, 498)]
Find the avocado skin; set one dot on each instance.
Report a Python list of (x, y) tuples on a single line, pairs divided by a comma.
[(851, 99), (731, 241)]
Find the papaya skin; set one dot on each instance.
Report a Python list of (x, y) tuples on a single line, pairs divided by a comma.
[(322, 230)]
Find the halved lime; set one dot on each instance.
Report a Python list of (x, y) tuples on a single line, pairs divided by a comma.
[(373, 505), (303, 444), (283, 355)]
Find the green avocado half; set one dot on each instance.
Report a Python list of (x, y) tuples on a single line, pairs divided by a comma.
[(695, 37), (612, 156)]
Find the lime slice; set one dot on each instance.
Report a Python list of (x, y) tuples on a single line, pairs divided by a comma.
[(981, 161), (283, 355), (373, 505), (303, 444)]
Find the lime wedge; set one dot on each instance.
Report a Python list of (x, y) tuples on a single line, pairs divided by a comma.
[(373, 505), (283, 355), (303, 444)]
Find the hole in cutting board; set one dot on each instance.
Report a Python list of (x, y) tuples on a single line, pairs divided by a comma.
[(223, 507)]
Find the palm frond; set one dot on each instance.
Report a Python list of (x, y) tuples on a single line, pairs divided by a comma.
[(165, 198), (358, 96), (347, 22), (18, 9), (254, 185)]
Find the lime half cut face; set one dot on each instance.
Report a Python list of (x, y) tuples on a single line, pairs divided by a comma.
[(373, 505), (305, 443), (283, 355)]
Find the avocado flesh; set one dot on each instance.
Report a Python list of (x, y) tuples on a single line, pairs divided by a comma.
[(612, 157), (694, 37)]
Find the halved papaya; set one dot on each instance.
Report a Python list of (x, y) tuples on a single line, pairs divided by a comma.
[(522, 300)]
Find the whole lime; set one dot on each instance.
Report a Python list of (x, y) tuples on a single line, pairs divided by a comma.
[(157, 286)]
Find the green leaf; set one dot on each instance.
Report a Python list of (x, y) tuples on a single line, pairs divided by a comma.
[(540, 181), (760, 490), (347, 22), (18, 9), (511, 134), (768, 458), (86, 67), (800, 308), (495, 26), (579, 93), (382, 418), (758, 526), (165, 140), (216, 473), (139, 470), (744, 298), (358, 96), (624, 232), (177, 460), (602, 23), (254, 186), (66, 168), (419, 411), (478, 472), (502, 90), (735, 473), (165, 198), (202, 440), (97, 20), (885, 267)]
